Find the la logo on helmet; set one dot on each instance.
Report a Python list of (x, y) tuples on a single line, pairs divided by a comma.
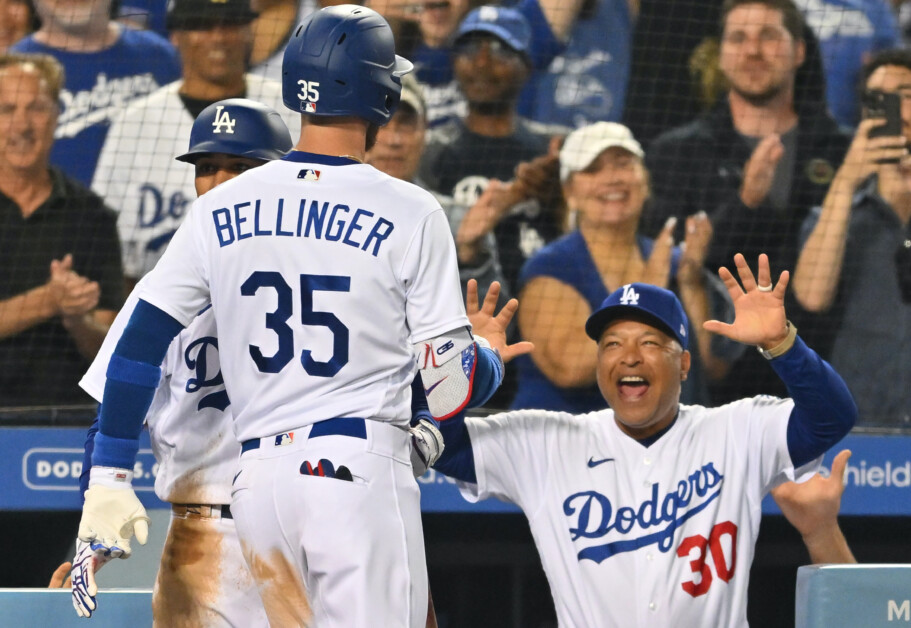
[(223, 119)]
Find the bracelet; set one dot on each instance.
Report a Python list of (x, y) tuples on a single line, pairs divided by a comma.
[(783, 347)]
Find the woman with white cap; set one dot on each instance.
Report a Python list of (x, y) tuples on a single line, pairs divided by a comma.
[(606, 185)]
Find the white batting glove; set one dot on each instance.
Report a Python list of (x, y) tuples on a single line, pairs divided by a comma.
[(426, 446), (86, 563), (112, 513)]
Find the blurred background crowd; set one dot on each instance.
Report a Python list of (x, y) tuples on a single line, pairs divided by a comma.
[(700, 128)]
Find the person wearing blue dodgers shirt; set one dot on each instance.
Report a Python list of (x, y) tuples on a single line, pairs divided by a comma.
[(107, 66), (647, 514), (849, 32), (587, 81), (550, 22)]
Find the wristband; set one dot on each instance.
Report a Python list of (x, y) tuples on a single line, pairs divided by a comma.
[(111, 477), (783, 347)]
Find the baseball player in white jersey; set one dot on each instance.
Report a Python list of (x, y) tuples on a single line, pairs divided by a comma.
[(647, 514), (330, 278), (136, 173), (203, 579)]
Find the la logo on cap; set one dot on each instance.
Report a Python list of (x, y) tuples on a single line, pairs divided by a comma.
[(630, 296), (489, 14)]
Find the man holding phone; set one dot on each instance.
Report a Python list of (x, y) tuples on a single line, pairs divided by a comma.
[(855, 263)]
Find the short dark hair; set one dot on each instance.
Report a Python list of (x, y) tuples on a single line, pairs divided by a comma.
[(900, 57), (790, 14)]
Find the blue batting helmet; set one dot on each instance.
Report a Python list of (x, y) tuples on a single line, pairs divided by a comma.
[(239, 127), (341, 61)]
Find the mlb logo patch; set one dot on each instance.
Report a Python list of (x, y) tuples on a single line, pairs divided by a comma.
[(284, 439), (310, 107), (308, 174)]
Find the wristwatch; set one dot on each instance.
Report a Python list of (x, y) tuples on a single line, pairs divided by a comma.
[(783, 347)]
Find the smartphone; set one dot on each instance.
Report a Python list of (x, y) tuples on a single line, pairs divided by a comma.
[(884, 105)]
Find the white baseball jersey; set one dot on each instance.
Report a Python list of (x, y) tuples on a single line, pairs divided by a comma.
[(192, 436), (190, 421), (640, 536), (322, 273), (138, 176)]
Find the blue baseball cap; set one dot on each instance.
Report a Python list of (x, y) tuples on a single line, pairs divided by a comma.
[(641, 301), (502, 22)]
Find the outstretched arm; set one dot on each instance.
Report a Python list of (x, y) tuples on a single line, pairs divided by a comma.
[(824, 410), (812, 507), (457, 460)]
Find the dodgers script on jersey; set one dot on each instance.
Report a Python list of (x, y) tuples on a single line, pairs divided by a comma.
[(320, 283), (190, 421), (138, 176), (645, 536)]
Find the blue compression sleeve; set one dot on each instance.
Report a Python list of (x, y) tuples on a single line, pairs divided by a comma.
[(89, 447), (131, 382), (824, 410), (488, 376), (457, 460)]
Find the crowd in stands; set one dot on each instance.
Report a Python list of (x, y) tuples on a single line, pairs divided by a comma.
[(575, 145)]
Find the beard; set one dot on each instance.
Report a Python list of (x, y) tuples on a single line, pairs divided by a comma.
[(763, 97)]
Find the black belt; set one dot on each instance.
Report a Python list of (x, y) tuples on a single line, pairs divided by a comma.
[(354, 427), (205, 511)]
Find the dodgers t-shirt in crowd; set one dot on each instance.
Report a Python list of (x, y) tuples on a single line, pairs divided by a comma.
[(98, 86), (849, 32), (587, 81)]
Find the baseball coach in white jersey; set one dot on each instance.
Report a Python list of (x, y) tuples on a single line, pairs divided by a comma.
[(646, 514), (331, 284)]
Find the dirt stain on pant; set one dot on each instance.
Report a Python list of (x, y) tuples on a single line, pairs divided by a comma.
[(188, 582), (281, 589)]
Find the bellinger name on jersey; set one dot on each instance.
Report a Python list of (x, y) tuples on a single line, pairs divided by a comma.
[(358, 228)]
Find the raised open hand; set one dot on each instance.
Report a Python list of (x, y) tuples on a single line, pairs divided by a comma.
[(759, 316), (492, 326)]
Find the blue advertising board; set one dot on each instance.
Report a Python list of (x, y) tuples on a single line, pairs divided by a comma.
[(40, 468)]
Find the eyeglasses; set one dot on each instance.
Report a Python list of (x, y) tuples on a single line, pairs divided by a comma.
[(497, 48)]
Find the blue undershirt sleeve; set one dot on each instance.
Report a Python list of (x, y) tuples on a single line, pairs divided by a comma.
[(89, 447), (457, 460), (824, 410), (488, 376), (132, 377)]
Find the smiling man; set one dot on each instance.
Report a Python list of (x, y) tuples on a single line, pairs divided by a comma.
[(647, 513), (756, 163), (60, 286), (136, 174)]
